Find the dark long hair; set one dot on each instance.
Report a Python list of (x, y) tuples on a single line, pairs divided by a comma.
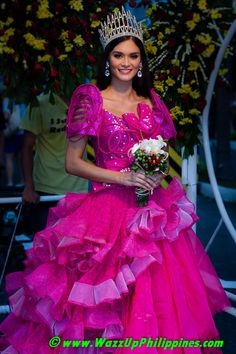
[(140, 85)]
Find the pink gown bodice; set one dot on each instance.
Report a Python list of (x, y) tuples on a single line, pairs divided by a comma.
[(112, 136)]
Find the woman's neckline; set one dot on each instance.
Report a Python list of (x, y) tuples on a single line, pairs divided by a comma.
[(135, 114)]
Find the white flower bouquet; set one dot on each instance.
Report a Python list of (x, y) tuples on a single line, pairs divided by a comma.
[(149, 156)]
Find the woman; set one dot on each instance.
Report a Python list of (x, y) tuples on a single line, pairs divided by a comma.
[(105, 267)]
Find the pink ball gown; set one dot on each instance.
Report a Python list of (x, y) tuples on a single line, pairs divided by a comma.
[(104, 267)]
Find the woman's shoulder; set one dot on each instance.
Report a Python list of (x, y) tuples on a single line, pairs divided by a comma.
[(162, 114), (88, 89)]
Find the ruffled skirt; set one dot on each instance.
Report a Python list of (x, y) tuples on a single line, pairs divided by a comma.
[(105, 268)]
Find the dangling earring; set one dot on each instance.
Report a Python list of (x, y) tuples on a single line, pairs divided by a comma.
[(107, 71), (139, 73)]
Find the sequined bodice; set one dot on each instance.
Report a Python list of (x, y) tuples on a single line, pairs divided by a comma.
[(118, 134), (112, 136)]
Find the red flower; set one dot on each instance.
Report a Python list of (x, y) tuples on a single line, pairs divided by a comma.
[(57, 85), (6, 80), (54, 34), (91, 59), (59, 8), (162, 76), (53, 72), (185, 98), (161, 14), (172, 42), (188, 15), (73, 70), (78, 53), (38, 68), (74, 20), (180, 134), (35, 91), (56, 52), (94, 17), (84, 23), (71, 35), (200, 104), (175, 70), (88, 37), (199, 47), (132, 3)]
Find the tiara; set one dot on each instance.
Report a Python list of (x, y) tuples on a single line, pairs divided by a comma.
[(120, 24)]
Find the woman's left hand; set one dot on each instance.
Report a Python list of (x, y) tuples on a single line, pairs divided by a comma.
[(157, 178)]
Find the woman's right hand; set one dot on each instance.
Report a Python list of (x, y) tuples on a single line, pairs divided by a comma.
[(29, 196), (138, 179)]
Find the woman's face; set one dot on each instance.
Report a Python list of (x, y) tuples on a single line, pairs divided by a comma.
[(125, 60)]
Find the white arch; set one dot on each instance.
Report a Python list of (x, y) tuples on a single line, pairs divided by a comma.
[(205, 132)]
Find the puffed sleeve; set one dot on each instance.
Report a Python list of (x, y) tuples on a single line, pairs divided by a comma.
[(84, 113), (163, 118)]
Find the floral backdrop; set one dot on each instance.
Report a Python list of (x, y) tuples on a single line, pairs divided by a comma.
[(182, 43), (49, 45), (53, 46)]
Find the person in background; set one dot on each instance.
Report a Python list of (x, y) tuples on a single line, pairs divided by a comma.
[(43, 156), (13, 113)]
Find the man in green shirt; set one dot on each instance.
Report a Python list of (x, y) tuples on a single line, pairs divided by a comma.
[(43, 157)]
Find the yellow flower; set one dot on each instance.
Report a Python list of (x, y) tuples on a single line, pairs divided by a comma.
[(195, 94), (3, 6), (64, 35), (204, 38), (65, 19), (175, 62), (194, 112), (190, 24), (223, 72), (62, 57), (25, 64), (202, 5), (176, 113), (9, 32), (158, 86), (5, 49), (196, 17), (9, 21), (160, 36), (68, 47), (45, 58), (208, 51), (149, 11), (185, 121), (76, 5), (43, 10), (169, 30), (28, 23), (99, 9), (95, 24), (184, 89), (28, 8), (150, 48), (227, 53), (215, 14), (193, 66), (170, 82), (78, 40), (38, 44)]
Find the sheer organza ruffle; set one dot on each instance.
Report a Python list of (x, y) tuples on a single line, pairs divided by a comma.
[(105, 267)]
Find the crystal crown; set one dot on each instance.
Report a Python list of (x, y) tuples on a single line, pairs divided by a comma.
[(120, 24)]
